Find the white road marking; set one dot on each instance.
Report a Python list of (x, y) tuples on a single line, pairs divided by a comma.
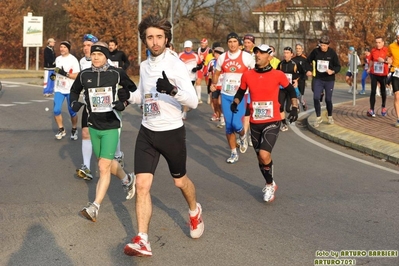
[(7, 105), (300, 134), (22, 102), (5, 85)]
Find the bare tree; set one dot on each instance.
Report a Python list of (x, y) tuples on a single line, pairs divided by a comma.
[(11, 40), (106, 20)]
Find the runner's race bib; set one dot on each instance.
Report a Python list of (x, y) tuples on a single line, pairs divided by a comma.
[(378, 68), (151, 108), (289, 77), (115, 64), (322, 66), (262, 110), (231, 85), (101, 99), (61, 82)]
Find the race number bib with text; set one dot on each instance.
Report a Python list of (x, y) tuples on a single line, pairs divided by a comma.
[(151, 108), (100, 99), (322, 65), (378, 68), (262, 110)]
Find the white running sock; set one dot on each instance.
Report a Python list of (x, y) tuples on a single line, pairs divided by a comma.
[(118, 149), (97, 205), (125, 180), (143, 236), (193, 213), (87, 151), (198, 89)]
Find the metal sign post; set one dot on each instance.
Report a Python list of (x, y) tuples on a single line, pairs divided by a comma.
[(353, 69)]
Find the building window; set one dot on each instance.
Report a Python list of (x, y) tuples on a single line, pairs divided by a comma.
[(282, 28), (317, 25), (346, 24), (304, 26), (275, 25)]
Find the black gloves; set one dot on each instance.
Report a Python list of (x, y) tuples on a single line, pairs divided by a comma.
[(52, 76), (293, 116), (119, 105), (164, 86), (75, 105), (198, 67), (123, 94), (233, 107), (60, 71)]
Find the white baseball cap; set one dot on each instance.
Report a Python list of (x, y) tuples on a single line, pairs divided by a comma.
[(188, 44), (263, 48)]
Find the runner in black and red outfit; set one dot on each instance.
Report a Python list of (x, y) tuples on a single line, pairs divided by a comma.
[(378, 71), (263, 84)]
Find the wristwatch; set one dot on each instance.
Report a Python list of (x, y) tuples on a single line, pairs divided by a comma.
[(174, 91)]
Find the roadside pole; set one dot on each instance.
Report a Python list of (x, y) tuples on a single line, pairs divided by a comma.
[(353, 68)]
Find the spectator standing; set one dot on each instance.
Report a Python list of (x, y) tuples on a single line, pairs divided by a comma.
[(49, 66)]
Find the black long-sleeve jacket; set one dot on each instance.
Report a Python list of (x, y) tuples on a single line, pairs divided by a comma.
[(49, 57), (92, 78), (121, 58), (331, 56)]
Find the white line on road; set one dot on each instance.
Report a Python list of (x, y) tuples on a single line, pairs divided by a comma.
[(42, 101), (300, 134)]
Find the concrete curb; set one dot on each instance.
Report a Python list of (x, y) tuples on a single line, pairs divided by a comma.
[(367, 144)]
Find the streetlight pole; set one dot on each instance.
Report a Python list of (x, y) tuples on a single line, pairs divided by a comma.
[(171, 17), (138, 35)]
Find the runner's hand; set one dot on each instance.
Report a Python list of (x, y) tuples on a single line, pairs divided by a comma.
[(164, 86), (75, 105), (293, 116), (60, 71), (118, 106), (233, 107), (123, 94)]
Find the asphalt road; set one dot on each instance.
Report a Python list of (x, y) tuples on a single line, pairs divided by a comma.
[(326, 201)]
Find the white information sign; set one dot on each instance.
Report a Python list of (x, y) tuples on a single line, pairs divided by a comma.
[(33, 31)]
